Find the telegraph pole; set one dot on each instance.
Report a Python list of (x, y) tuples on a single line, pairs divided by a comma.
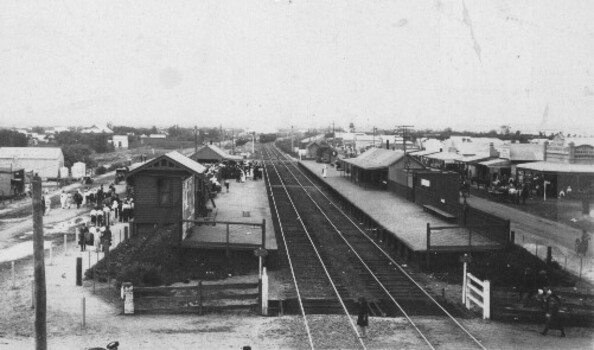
[(292, 147), (195, 139), (403, 129), (39, 266)]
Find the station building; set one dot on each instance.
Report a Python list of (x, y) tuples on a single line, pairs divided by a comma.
[(167, 190)]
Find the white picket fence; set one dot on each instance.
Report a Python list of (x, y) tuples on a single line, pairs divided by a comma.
[(477, 292)]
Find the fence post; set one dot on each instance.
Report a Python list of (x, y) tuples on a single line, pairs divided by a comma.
[(83, 311), (200, 302), (126, 233), (427, 255), (79, 271), (227, 242), (464, 279), (51, 262), (13, 276), (486, 299), (264, 233), (549, 255), (264, 292)]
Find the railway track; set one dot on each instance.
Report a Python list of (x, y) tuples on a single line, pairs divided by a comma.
[(333, 261)]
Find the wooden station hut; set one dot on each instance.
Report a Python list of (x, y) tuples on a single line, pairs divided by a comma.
[(381, 168), (213, 154), (168, 189)]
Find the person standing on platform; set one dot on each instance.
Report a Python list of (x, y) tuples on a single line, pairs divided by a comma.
[(82, 237), (63, 199), (227, 185), (551, 305), (106, 238), (48, 204), (93, 216), (106, 215), (99, 212), (324, 170), (363, 317)]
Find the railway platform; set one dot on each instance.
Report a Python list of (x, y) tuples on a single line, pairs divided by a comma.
[(246, 202), (404, 224)]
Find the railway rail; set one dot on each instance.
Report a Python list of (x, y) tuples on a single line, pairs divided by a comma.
[(333, 260)]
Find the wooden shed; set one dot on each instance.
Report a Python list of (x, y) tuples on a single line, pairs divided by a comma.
[(213, 154), (168, 189), (12, 182)]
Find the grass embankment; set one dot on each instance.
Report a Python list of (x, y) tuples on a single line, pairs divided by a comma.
[(153, 258)]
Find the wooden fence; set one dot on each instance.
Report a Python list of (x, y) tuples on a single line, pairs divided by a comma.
[(198, 299)]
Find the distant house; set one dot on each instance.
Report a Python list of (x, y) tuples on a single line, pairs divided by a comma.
[(12, 182), (120, 141), (155, 140), (45, 161), (213, 154), (97, 129)]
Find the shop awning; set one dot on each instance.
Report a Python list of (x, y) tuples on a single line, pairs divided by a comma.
[(474, 159), (496, 163), (558, 167)]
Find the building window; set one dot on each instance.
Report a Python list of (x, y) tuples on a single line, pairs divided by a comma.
[(165, 189)]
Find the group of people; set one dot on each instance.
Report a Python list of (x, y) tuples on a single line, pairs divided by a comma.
[(98, 236), (224, 171), (114, 209), (539, 285)]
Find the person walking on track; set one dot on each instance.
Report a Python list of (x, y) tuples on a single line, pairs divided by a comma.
[(363, 317)]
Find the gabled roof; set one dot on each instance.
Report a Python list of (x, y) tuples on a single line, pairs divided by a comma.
[(30, 152), (177, 158), (205, 150), (375, 158), (526, 152)]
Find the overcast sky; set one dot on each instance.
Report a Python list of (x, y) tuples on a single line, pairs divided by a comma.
[(247, 63)]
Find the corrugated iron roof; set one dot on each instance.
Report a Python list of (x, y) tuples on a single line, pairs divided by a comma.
[(178, 158), (558, 167), (187, 162), (30, 152), (422, 153), (474, 159), (496, 163), (444, 156), (218, 151), (375, 158)]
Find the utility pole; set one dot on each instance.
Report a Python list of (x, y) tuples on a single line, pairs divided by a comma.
[(333, 135), (292, 147), (374, 129), (39, 266), (220, 134), (195, 139), (403, 129)]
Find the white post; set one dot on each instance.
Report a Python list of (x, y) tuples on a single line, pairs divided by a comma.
[(83, 311), (486, 300), (264, 293), (464, 283), (51, 262)]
